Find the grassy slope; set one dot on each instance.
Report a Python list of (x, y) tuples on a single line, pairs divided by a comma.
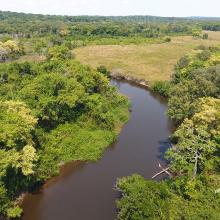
[(146, 61)]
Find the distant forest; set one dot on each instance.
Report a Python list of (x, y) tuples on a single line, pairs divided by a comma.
[(146, 26)]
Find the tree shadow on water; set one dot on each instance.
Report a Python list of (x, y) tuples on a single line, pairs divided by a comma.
[(162, 148)]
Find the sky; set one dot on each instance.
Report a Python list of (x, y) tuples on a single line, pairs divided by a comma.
[(177, 8)]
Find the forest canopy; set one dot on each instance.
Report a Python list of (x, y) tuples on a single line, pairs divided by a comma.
[(28, 25)]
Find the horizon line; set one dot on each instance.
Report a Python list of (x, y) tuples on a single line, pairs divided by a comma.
[(98, 15)]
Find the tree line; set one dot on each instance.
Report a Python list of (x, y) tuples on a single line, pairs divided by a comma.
[(21, 24)]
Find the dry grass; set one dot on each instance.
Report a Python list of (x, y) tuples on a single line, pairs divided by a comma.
[(147, 61), (30, 58)]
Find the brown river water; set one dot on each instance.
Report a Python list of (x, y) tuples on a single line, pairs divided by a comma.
[(84, 191)]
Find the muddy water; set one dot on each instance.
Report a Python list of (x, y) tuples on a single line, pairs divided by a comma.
[(84, 191)]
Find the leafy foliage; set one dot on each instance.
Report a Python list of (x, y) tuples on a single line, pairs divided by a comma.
[(142, 199), (52, 112), (194, 78), (162, 88), (17, 152), (147, 26), (59, 52), (178, 199), (10, 49), (196, 144), (16, 125)]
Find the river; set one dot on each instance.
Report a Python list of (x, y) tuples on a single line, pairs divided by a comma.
[(84, 191)]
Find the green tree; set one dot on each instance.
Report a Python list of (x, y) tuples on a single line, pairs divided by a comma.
[(183, 95), (204, 55), (142, 199), (205, 36), (102, 69), (195, 138), (16, 125), (59, 52), (53, 97), (17, 154)]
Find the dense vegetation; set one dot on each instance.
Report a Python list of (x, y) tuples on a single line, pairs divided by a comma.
[(194, 104), (211, 26), (57, 110), (10, 50), (37, 32), (51, 113), (148, 26)]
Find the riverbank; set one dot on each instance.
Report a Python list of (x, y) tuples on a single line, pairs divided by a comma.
[(83, 189), (119, 75), (95, 153), (72, 117)]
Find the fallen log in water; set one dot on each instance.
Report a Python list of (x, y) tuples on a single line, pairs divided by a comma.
[(164, 170)]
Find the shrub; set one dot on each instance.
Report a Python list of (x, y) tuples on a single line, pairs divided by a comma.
[(204, 55), (167, 39), (59, 52), (102, 69), (183, 62), (14, 212), (201, 47), (205, 36), (162, 88)]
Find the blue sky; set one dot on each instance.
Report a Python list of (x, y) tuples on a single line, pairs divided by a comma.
[(116, 7)]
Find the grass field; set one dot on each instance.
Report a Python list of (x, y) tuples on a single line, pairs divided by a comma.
[(146, 61)]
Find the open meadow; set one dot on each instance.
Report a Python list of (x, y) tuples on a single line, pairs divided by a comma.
[(145, 61)]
